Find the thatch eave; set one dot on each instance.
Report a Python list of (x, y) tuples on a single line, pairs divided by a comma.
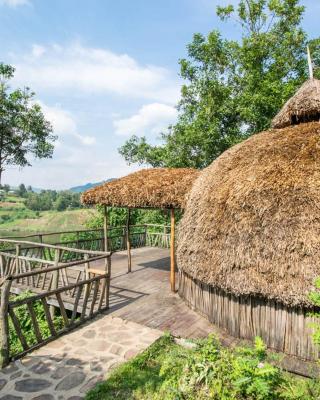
[(154, 188)]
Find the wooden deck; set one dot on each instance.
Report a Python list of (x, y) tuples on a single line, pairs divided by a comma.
[(144, 296)]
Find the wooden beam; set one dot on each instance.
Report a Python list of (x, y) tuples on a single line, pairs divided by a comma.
[(4, 323), (105, 228), (172, 253), (128, 240)]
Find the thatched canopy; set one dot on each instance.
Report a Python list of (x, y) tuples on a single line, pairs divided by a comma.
[(148, 188), (304, 106), (252, 221)]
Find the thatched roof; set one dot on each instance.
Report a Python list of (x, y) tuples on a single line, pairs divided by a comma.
[(148, 188), (252, 221), (304, 106)]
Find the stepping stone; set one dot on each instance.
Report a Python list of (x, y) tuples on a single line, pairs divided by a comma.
[(71, 381), (31, 385)]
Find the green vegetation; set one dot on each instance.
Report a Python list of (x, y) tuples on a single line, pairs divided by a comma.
[(23, 128), (23, 211), (233, 88), (168, 371), (315, 299), (24, 319)]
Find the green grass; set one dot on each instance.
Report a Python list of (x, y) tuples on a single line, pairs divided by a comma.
[(140, 377), (168, 371), (23, 221)]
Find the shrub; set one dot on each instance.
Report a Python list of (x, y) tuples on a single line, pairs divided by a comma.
[(208, 371)]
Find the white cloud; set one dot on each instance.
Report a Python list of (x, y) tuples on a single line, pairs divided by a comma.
[(78, 69), (151, 119), (64, 124), (14, 3), (69, 167), (37, 50)]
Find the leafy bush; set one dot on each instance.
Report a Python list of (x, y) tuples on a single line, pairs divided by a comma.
[(315, 299), (168, 371)]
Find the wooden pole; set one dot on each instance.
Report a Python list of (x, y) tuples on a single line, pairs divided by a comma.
[(105, 228), (55, 279), (310, 63), (128, 240), (4, 323), (172, 253)]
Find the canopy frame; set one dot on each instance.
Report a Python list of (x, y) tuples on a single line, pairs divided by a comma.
[(172, 241)]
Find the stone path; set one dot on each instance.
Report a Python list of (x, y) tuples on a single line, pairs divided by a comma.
[(71, 365)]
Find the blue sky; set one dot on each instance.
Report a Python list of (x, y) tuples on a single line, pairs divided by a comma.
[(103, 70)]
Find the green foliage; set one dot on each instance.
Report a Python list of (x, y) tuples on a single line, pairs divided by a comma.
[(167, 371), (26, 324), (23, 127), (18, 214), (118, 217), (52, 200), (315, 299), (233, 88)]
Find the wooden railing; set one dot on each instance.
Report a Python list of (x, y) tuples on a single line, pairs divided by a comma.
[(154, 235), (63, 283)]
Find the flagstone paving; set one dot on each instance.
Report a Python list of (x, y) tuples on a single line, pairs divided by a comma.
[(71, 365)]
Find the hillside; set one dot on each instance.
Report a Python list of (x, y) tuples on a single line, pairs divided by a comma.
[(16, 219), (83, 188)]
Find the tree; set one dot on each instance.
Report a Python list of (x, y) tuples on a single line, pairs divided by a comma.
[(23, 128), (233, 88), (22, 191)]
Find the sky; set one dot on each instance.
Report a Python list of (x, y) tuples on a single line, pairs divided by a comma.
[(103, 70)]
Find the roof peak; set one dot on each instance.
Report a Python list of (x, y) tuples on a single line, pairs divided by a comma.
[(303, 107)]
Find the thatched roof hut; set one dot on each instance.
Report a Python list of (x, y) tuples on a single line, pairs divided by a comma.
[(148, 188), (157, 188), (249, 241), (304, 106)]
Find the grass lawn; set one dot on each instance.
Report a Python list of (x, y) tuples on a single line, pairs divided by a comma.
[(168, 371)]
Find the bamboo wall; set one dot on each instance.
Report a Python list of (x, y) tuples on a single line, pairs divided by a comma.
[(282, 328)]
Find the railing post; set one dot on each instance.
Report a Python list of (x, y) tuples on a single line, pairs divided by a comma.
[(86, 266), (172, 252), (41, 249), (78, 238), (108, 271), (55, 278), (2, 266), (17, 264), (4, 323), (105, 228), (128, 240)]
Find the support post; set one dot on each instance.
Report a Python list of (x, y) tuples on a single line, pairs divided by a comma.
[(55, 279), (17, 262), (4, 323), (108, 271), (172, 252), (128, 241), (105, 228)]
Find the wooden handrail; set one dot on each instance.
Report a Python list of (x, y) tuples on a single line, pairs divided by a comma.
[(51, 246), (37, 235)]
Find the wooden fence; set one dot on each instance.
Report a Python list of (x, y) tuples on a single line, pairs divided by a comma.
[(63, 285), (153, 235)]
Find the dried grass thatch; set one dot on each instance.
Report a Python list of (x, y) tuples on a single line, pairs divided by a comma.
[(148, 188), (304, 106), (252, 221)]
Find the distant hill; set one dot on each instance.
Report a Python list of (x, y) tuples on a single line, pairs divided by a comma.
[(83, 188)]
